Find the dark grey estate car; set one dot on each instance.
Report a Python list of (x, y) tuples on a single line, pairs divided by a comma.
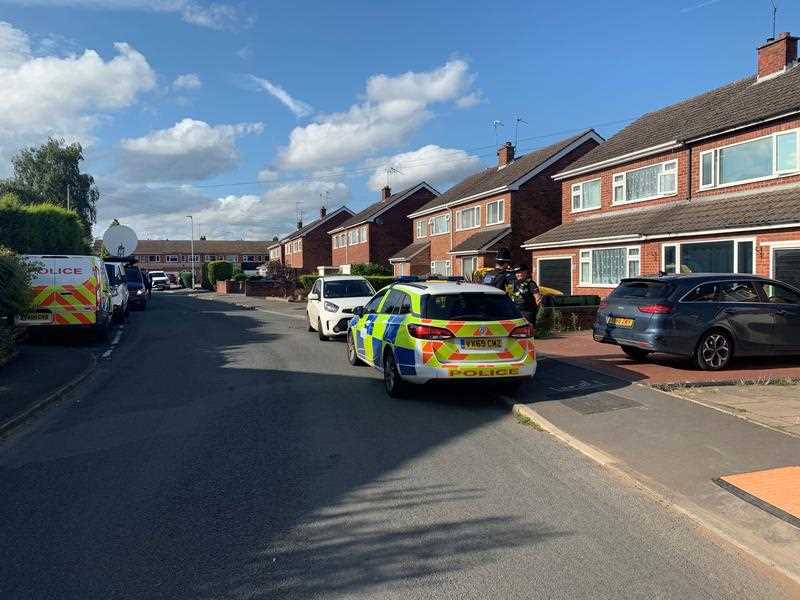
[(709, 317)]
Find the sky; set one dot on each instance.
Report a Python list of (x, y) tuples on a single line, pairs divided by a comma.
[(243, 113)]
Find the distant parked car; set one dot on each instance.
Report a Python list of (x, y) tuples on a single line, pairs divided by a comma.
[(137, 288), (708, 317), (119, 289), (159, 280), (331, 302), (173, 278)]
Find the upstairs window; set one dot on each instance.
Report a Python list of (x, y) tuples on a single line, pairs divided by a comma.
[(422, 229), (495, 212), (440, 224), (646, 183), (754, 160), (468, 218), (586, 195)]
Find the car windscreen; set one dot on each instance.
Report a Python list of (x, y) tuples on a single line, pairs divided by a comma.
[(133, 276), (111, 271), (641, 289), (157, 274), (469, 306), (350, 288)]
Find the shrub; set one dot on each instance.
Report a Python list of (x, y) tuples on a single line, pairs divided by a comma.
[(40, 228), (548, 319), (15, 283), (239, 277), (219, 270), (380, 281), (367, 269), (185, 278), (307, 281)]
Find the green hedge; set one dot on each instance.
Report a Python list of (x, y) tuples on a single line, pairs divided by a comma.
[(185, 277), (15, 295), (369, 269), (40, 228), (219, 270), (377, 281), (239, 276)]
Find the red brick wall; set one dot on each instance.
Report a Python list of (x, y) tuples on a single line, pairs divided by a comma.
[(316, 249), (774, 56)]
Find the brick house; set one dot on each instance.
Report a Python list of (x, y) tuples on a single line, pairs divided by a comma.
[(173, 256), (309, 246), (380, 230), (275, 251), (502, 206), (710, 184)]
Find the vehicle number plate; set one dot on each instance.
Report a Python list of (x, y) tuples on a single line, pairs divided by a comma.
[(620, 322), (481, 344), (35, 318)]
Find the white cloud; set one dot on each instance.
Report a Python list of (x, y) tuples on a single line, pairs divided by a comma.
[(430, 163), (393, 109), (190, 150), (204, 14), (268, 174), (470, 100), (63, 96), (298, 107), (188, 81)]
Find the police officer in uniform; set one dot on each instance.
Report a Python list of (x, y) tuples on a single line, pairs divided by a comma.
[(526, 294), (501, 275)]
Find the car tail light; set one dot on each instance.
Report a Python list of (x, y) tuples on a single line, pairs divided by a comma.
[(523, 331), (656, 309), (427, 332)]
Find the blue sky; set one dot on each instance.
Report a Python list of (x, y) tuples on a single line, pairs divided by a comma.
[(237, 112)]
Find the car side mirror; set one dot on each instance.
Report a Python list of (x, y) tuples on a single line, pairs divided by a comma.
[(358, 311), (313, 296)]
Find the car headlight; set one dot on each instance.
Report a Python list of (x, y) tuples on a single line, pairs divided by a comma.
[(139, 292), (331, 307)]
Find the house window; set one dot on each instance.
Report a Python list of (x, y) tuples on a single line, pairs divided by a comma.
[(363, 234), (421, 229), (249, 258), (192, 258), (440, 267), (754, 160), (646, 183), (605, 267), (494, 212), (468, 218), (154, 258), (352, 237), (718, 256), (440, 224), (233, 258), (586, 195), (468, 266), (172, 258)]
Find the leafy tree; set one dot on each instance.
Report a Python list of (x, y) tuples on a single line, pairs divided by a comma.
[(46, 172)]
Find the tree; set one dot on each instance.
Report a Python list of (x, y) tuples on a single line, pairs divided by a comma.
[(51, 172)]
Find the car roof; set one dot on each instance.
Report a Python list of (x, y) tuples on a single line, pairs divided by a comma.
[(343, 278), (698, 277), (447, 287)]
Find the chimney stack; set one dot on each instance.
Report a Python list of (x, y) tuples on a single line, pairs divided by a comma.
[(322, 212), (776, 55), (505, 154), (300, 224), (385, 192)]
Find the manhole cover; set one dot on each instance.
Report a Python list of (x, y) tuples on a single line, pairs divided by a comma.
[(599, 402)]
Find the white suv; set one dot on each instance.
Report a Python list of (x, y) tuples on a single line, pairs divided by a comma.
[(331, 302), (159, 280)]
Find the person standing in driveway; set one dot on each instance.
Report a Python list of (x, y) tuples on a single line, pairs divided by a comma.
[(526, 294), (501, 275)]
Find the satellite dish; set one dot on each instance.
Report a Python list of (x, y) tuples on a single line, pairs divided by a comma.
[(120, 240)]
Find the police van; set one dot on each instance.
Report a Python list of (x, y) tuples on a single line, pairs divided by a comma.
[(70, 292)]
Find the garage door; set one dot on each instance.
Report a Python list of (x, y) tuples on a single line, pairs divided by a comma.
[(556, 273), (787, 265)]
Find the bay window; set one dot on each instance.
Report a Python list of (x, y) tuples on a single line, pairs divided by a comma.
[(586, 195), (440, 224), (495, 212), (646, 183), (716, 256), (468, 218), (763, 158), (605, 267)]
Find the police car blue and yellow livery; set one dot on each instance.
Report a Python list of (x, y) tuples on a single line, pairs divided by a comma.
[(416, 332)]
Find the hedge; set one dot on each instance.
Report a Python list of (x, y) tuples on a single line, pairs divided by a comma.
[(185, 278), (15, 295), (369, 269), (377, 281), (219, 270), (40, 228)]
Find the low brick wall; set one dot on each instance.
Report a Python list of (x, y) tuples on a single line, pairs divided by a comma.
[(230, 287), (265, 289)]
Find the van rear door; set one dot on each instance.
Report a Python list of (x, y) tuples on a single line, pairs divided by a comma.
[(42, 285), (75, 290)]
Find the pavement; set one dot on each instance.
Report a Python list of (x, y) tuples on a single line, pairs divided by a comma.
[(226, 452)]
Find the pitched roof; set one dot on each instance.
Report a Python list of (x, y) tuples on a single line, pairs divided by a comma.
[(373, 210), (201, 247), (410, 251), (311, 226), (776, 206), (482, 240), (732, 105), (493, 178)]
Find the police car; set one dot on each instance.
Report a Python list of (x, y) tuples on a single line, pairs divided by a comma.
[(420, 331)]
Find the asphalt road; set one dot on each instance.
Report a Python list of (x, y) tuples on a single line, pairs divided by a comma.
[(227, 453)]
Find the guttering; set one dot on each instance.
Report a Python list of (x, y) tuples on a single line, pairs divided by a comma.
[(583, 242), (610, 162)]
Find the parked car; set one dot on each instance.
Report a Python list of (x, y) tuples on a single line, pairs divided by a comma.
[(137, 288), (119, 289), (173, 278), (70, 292), (418, 332), (708, 317), (331, 302), (159, 280)]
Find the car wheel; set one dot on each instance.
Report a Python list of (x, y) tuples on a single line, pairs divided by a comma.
[(635, 353), (715, 351), (395, 386), (320, 333), (352, 355)]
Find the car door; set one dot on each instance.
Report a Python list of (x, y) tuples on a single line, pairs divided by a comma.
[(748, 317), (382, 326), (783, 302), (365, 326), (313, 305)]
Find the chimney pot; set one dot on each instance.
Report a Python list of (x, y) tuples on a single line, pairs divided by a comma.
[(299, 224), (386, 192), (505, 154), (322, 212), (777, 54)]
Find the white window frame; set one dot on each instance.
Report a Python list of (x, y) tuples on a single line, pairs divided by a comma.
[(460, 218), (173, 258), (579, 188), (445, 218), (446, 267), (501, 208), (155, 258), (590, 255), (474, 259), (620, 181), (362, 234), (736, 241), (715, 162), (421, 228)]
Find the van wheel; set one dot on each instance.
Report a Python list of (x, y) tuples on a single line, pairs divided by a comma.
[(635, 353), (322, 336), (352, 355), (715, 351), (395, 386), (103, 330)]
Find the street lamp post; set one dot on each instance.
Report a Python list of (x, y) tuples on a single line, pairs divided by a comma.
[(191, 220)]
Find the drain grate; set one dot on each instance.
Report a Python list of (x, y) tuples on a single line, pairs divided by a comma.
[(599, 402)]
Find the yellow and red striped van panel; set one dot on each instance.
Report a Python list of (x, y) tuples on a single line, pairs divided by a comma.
[(70, 304)]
